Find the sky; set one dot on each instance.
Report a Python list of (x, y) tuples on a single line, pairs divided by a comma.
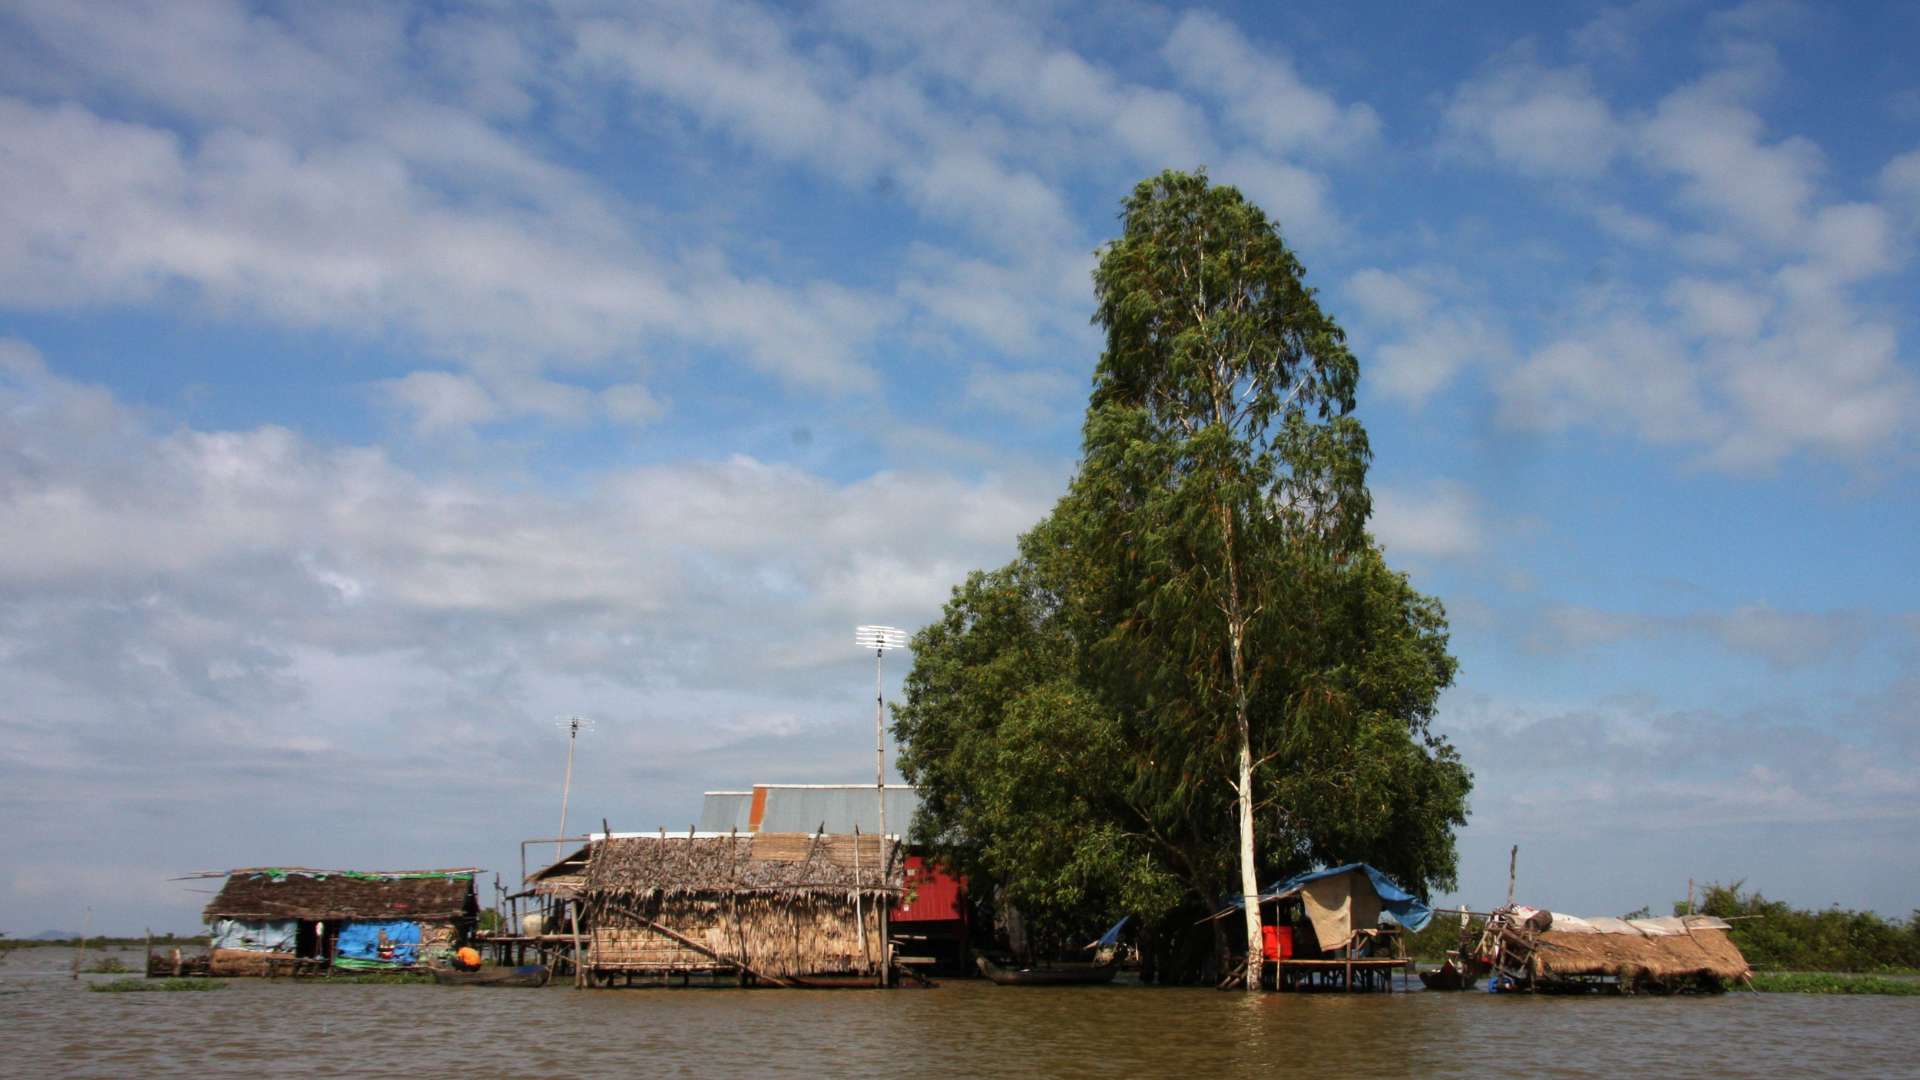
[(380, 383)]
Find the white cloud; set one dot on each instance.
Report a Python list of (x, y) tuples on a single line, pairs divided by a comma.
[(1261, 93), (1719, 310), (1782, 640), (1444, 521), (1033, 397), (632, 403), (1701, 134), (442, 402), (1624, 375), (1540, 121), (1387, 296), (246, 606), (1900, 184), (1425, 332)]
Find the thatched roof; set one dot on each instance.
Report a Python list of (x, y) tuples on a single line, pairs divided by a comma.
[(761, 862), (275, 893), (1696, 951)]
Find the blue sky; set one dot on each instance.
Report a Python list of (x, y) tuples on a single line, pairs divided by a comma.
[(379, 383)]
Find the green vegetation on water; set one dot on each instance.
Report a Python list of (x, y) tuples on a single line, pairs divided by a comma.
[(108, 966), (140, 986), (1776, 936), (1824, 982)]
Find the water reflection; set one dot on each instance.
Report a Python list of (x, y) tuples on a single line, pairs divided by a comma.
[(965, 1028)]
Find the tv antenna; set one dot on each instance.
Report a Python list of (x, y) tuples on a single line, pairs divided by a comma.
[(880, 639), (573, 726)]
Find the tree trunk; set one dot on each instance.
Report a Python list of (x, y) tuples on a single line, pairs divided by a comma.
[(1249, 882)]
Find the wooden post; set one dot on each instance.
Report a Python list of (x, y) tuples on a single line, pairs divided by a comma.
[(886, 875), (1513, 863), (859, 917), (579, 963), (85, 930)]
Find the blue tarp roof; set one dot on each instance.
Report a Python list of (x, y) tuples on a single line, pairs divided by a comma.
[(1396, 903), (1112, 936)]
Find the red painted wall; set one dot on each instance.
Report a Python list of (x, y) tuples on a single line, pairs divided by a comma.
[(933, 895)]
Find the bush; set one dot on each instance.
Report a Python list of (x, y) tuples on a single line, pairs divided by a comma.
[(1775, 935)]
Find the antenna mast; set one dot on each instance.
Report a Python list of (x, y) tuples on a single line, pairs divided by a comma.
[(880, 639), (574, 725)]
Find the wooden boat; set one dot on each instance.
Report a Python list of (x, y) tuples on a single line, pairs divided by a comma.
[(1448, 977), (524, 975), (1064, 974)]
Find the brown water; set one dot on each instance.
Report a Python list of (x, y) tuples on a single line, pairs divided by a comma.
[(50, 1026)]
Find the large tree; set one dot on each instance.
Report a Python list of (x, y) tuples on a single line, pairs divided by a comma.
[(1200, 637), (1221, 427)]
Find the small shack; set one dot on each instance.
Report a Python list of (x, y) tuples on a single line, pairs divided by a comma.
[(1528, 949), (286, 920), (1336, 928), (780, 908)]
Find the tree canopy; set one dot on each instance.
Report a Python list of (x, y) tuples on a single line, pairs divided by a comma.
[(1200, 643)]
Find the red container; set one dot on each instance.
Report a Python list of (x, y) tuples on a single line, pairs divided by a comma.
[(1276, 942)]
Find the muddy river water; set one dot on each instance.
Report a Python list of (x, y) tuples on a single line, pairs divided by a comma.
[(51, 1026)]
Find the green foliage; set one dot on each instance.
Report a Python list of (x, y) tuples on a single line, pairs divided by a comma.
[(1076, 719), (1441, 936), (489, 921), (139, 986), (108, 966), (1802, 982), (1776, 935)]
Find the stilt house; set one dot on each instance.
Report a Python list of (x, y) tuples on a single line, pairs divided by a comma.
[(931, 922), (279, 920), (781, 908)]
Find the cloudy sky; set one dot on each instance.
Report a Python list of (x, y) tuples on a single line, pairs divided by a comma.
[(377, 385)]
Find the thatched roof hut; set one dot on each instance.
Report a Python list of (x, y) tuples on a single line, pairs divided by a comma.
[(760, 862), (774, 905), (270, 919), (1639, 951), (294, 893)]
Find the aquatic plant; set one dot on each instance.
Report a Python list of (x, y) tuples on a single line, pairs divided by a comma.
[(134, 986), (1821, 982)]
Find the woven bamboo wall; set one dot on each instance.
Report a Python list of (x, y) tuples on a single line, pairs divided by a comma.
[(779, 935)]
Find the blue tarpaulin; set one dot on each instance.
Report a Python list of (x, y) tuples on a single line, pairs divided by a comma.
[(1396, 903), (1112, 936), (363, 941)]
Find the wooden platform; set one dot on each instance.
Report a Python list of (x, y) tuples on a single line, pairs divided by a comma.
[(1368, 973)]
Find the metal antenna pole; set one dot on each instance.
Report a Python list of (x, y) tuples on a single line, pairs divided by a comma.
[(880, 639), (574, 725), (880, 745)]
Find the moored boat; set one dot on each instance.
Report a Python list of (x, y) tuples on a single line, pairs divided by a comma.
[(524, 975), (1448, 976), (1063, 974)]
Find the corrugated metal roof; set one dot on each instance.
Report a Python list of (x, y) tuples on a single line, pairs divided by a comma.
[(804, 807), (721, 811)]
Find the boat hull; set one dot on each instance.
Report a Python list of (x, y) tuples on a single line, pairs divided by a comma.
[(524, 975), (1059, 975)]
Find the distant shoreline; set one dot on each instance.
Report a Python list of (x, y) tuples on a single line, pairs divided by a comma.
[(139, 942)]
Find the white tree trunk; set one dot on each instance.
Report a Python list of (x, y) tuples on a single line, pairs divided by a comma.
[(1249, 882)]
